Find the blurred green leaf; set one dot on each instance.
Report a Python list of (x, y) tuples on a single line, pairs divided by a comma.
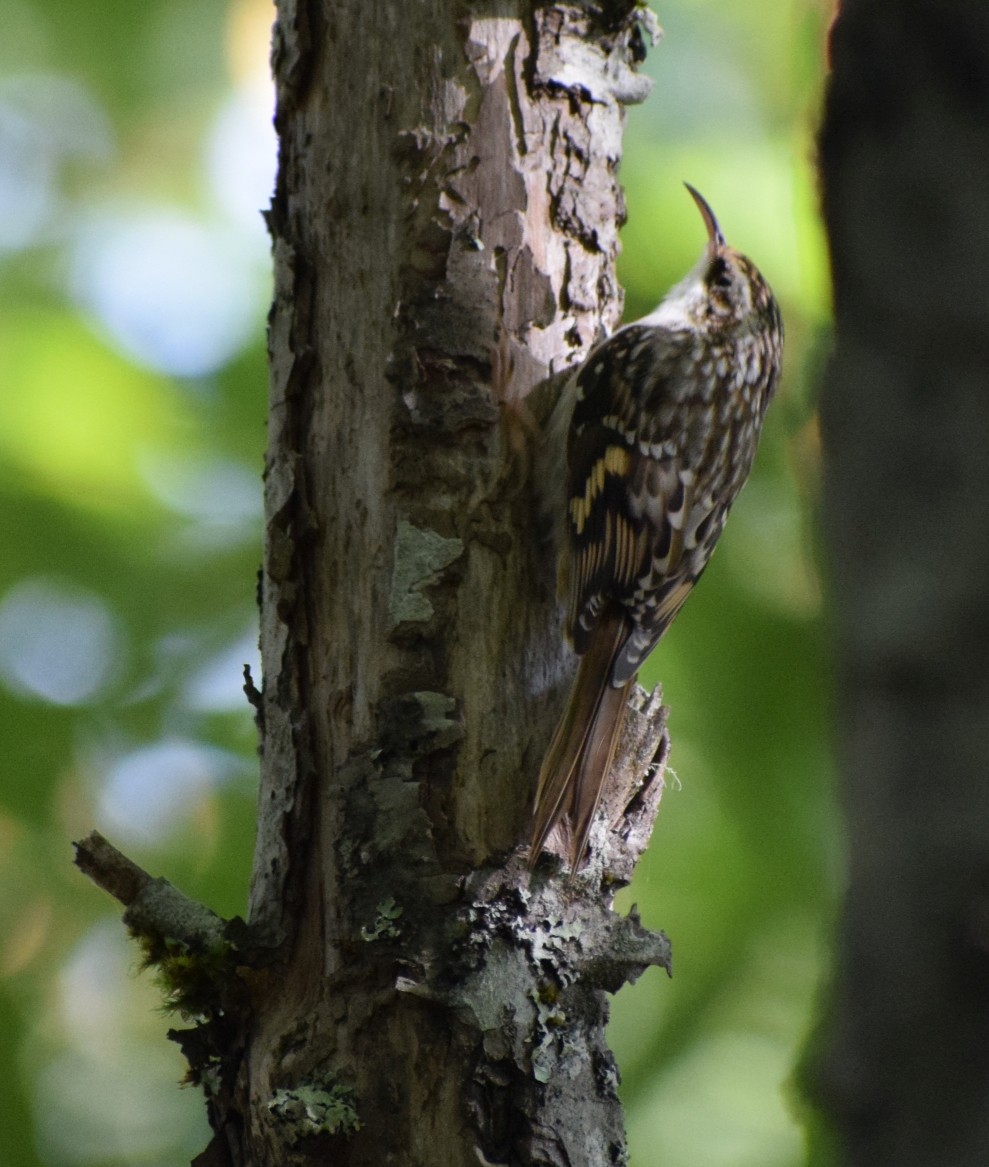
[(80, 415)]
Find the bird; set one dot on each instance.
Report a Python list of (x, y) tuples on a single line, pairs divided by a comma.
[(651, 441)]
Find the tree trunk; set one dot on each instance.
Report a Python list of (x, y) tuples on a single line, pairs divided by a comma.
[(904, 1074), (445, 230)]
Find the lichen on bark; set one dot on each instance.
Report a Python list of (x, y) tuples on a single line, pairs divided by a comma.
[(444, 231)]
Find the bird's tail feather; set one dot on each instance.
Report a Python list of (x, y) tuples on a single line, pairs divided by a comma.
[(575, 769)]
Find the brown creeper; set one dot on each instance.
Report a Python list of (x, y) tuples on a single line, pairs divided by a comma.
[(662, 423)]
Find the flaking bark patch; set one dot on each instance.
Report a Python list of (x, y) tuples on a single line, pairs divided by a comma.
[(445, 231)]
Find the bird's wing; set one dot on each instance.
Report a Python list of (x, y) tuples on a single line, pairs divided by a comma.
[(633, 508)]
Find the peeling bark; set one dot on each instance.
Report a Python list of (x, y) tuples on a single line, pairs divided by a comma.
[(445, 230)]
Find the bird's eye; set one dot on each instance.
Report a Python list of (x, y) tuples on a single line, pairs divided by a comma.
[(718, 275)]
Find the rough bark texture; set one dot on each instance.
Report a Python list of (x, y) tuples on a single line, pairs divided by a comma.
[(905, 1072), (445, 221), (404, 990)]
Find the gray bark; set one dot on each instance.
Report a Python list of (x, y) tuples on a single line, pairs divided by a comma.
[(445, 234), (404, 991), (904, 1071)]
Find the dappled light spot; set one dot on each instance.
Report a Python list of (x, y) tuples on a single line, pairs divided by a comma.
[(57, 643), (241, 154), (149, 791), (218, 686), (216, 491), (46, 122), (107, 1091), (175, 293)]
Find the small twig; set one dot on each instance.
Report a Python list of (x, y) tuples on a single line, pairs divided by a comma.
[(254, 697), (154, 906), (111, 870)]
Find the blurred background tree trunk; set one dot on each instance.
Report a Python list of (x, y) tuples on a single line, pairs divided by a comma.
[(904, 1074)]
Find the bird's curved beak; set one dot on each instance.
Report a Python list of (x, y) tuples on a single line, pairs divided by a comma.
[(715, 240)]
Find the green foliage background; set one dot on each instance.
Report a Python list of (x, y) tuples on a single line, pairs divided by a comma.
[(134, 154)]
